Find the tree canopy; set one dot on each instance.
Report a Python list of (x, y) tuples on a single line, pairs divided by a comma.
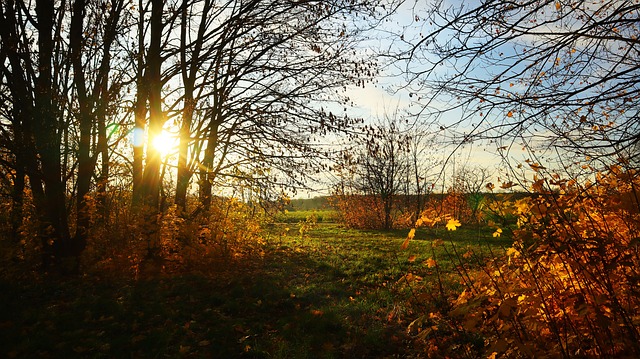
[(551, 76)]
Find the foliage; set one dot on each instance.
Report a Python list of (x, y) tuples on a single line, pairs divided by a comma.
[(359, 211), (568, 285)]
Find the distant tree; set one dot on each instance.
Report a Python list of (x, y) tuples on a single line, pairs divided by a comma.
[(420, 182), (471, 182), (375, 170)]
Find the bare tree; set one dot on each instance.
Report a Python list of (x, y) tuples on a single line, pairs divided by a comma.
[(559, 76), (378, 166), (257, 78), (247, 82)]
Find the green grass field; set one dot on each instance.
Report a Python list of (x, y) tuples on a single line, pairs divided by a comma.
[(295, 216), (331, 293)]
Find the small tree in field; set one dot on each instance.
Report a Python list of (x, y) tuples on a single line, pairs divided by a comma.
[(377, 175)]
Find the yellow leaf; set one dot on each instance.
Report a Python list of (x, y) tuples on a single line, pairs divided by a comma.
[(453, 224), (512, 252), (497, 233), (410, 236)]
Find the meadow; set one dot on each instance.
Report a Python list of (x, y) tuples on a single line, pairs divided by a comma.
[(325, 292)]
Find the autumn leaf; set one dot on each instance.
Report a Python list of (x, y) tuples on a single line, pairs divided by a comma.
[(430, 263), (412, 258), (536, 167), (410, 236), (497, 233), (510, 114), (537, 186), (512, 252), (507, 185), (453, 224), (558, 5)]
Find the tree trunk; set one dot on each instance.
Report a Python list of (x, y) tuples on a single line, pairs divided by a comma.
[(54, 230), (86, 163), (140, 116), (151, 175), (184, 172), (17, 204)]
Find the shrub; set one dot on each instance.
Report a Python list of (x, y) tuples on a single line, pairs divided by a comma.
[(569, 284)]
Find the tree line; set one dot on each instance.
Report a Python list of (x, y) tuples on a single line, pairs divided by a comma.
[(245, 87)]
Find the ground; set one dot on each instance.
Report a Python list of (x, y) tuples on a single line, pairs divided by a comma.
[(334, 293)]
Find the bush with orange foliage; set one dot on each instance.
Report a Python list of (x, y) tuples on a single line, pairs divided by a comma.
[(358, 211), (569, 286)]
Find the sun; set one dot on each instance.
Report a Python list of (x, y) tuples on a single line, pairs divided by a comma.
[(164, 143)]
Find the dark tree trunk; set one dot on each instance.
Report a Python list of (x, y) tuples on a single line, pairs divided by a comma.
[(54, 231), (151, 175), (142, 96), (86, 163)]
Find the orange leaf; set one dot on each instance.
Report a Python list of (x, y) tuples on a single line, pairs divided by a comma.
[(536, 167), (430, 263), (507, 185), (412, 258)]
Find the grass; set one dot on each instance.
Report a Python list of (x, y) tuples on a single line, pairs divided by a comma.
[(330, 294), (296, 216)]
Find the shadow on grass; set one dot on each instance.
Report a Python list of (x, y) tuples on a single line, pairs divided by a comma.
[(288, 304)]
